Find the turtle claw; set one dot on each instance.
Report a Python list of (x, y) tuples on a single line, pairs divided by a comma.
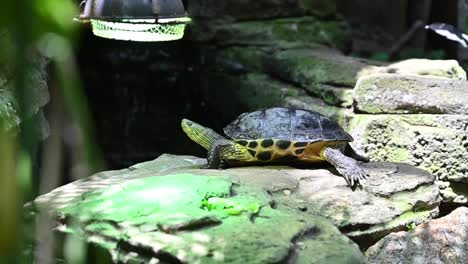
[(354, 174)]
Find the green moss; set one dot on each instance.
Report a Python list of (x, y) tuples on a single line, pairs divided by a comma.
[(409, 218), (287, 31), (399, 223), (252, 58), (308, 68), (391, 153), (320, 8), (229, 206)]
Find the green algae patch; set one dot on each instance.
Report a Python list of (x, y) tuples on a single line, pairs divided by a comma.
[(158, 199), (229, 206)]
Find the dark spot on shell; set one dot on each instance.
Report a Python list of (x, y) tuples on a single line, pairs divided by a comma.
[(299, 151), (252, 152), (300, 144), (267, 143), (242, 142), (253, 144), (264, 156), (283, 144)]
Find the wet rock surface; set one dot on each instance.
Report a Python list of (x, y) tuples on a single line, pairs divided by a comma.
[(168, 209), (442, 240)]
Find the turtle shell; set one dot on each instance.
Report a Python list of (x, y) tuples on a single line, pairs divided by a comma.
[(287, 124)]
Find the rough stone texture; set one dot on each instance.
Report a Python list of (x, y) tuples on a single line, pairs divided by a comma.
[(246, 92), (143, 214), (324, 73), (282, 32), (436, 143), (263, 77), (395, 196), (406, 94), (453, 192), (261, 9), (436, 68), (170, 191), (442, 240)]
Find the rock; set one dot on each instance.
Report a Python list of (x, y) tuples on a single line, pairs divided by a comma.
[(281, 32), (252, 91), (436, 143), (246, 92), (292, 75), (440, 240), (404, 94), (167, 162), (143, 214), (453, 192), (324, 73), (259, 10), (395, 196), (435, 68), (170, 217)]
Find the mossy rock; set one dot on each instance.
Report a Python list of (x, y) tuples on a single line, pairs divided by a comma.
[(436, 143), (324, 73), (144, 215), (283, 32)]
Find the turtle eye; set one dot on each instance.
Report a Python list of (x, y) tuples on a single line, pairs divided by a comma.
[(188, 123)]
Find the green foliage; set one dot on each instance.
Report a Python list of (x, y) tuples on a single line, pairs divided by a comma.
[(229, 206)]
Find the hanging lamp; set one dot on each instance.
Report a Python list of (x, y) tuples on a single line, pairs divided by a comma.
[(136, 20)]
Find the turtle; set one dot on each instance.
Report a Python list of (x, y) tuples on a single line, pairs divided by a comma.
[(279, 135)]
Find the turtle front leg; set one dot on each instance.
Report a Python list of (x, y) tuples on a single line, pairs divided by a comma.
[(349, 151), (224, 152), (349, 168), (214, 156)]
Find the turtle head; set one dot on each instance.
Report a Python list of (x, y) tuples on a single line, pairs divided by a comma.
[(203, 136)]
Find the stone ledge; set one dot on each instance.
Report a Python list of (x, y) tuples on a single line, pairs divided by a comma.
[(158, 206), (442, 240), (410, 94)]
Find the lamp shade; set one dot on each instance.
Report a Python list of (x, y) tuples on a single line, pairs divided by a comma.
[(136, 20), (116, 10)]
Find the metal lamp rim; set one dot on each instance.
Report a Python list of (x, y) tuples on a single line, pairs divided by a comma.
[(120, 18)]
